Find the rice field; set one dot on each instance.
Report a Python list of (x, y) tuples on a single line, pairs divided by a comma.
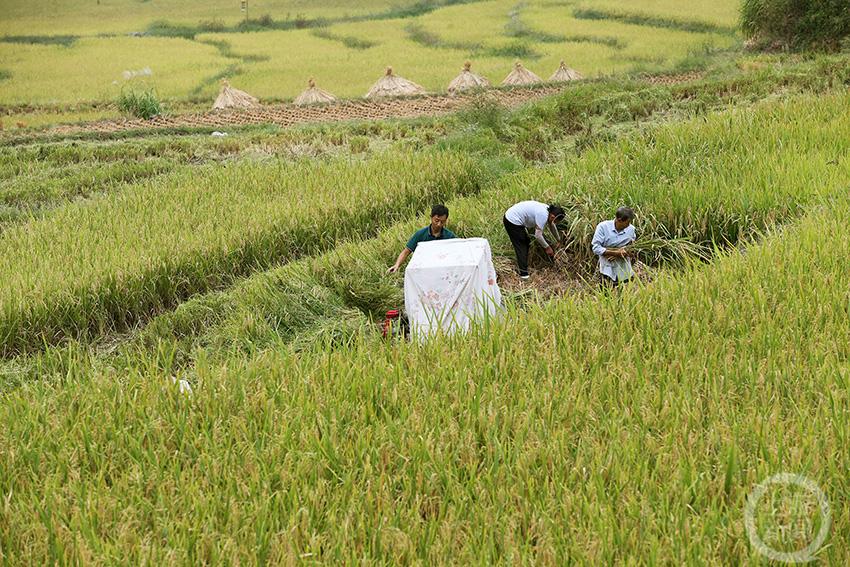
[(191, 368), (94, 69), (146, 248), (542, 437), (79, 17), (722, 195), (347, 51)]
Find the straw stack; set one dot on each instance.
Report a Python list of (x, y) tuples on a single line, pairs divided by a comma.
[(467, 80), (392, 85), (314, 95), (564, 74), (521, 76), (229, 97)]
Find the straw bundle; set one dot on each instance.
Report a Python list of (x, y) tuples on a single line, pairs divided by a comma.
[(229, 97), (393, 85), (521, 76), (564, 74), (467, 80), (314, 95)]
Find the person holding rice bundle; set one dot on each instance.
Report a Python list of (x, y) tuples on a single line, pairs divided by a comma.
[(531, 215), (610, 242)]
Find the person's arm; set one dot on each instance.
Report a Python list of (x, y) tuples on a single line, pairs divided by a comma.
[(600, 250), (399, 261), (615, 253), (538, 234)]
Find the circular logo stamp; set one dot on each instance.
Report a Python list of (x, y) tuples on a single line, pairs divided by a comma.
[(787, 518)]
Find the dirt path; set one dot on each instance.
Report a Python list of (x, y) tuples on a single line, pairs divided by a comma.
[(290, 115)]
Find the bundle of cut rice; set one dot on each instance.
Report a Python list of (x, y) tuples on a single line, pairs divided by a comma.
[(314, 95), (229, 97), (393, 85), (564, 74), (521, 76), (467, 80)]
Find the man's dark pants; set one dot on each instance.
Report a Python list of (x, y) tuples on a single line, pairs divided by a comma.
[(521, 241), (609, 283)]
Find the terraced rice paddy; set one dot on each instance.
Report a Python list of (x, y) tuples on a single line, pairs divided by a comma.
[(543, 436), (345, 49), (191, 368)]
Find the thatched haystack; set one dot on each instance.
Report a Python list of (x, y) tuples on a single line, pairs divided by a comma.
[(229, 97), (521, 76), (313, 95), (564, 74), (467, 80), (393, 85)]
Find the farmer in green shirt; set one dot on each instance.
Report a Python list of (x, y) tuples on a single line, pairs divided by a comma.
[(435, 231)]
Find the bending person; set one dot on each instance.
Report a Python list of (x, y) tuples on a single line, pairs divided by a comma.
[(609, 243), (435, 231), (531, 215)]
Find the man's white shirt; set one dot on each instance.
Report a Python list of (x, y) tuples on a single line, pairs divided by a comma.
[(532, 215), (606, 236)]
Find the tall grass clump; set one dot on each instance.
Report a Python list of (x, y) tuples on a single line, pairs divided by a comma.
[(141, 103)]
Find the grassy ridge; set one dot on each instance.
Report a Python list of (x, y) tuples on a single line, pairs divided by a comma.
[(563, 439), (151, 246)]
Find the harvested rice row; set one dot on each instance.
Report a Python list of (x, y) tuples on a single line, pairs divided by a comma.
[(106, 265)]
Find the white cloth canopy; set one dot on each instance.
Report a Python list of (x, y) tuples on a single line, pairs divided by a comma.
[(448, 284)]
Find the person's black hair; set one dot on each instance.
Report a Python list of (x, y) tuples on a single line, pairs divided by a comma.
[(556, 210), (439, 211), (625, 214)]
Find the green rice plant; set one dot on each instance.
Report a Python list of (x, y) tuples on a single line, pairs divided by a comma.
[(91, 18), (151, 246), (47, 188)]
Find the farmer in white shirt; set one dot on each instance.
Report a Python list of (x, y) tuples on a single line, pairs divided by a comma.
[(609, 243), (531, 215)]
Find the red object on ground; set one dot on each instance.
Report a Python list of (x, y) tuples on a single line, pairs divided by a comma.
[(390, 323)]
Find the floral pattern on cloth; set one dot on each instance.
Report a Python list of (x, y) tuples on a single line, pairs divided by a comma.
[(449, 285)]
